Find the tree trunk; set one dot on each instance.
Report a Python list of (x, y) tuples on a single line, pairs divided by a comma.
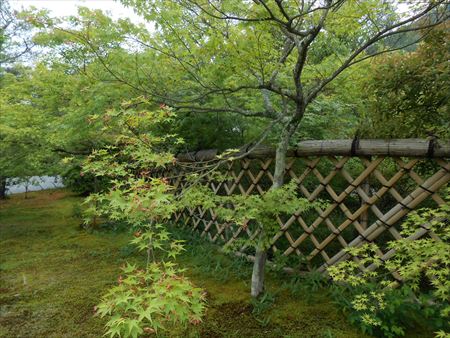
[(258, 272), (278, 179), (2, 187)]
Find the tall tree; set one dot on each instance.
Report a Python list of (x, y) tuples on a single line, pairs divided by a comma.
[(24, 130), (15, 40), (269, 59), (266, 60), (15, 45)]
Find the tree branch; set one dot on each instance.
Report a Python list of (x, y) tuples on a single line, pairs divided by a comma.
[(388, 31)]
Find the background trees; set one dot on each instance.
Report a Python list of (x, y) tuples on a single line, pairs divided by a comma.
[(408, 92), (14, 46), (21, 153), (15, 40)]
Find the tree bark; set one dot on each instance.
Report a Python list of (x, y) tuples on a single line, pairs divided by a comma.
[(258, 272), (278, 179), (2, 187)]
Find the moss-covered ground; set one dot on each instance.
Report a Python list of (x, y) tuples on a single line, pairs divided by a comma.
[(53, 273)]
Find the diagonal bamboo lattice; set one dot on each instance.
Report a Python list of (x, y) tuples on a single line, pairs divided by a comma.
[(370, 186)]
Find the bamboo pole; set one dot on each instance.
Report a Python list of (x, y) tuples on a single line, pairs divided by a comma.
[(394, 147), (373, 147), (364, 218)]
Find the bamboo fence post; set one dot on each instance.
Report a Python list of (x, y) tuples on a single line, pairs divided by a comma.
[(365, 186)]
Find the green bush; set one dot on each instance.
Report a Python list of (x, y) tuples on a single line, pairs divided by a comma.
[(150, 300), (385, 306), (83, 183)]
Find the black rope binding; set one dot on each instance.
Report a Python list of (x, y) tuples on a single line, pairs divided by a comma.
[(355, 145), (431, 144)]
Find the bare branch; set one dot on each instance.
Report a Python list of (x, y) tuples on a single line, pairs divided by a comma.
[(302, 48), (224, 16), (243, 112)]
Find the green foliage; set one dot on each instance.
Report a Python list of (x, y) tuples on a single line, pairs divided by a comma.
[(77, 211), (80, 183), (149, 300), (381, 313), (261, 305), (133, 195), (262, 209), (25, 145), (212, 71), (15, 37), (379, 304), (408, 92), (157, 296), (306, 285), (223, 268)]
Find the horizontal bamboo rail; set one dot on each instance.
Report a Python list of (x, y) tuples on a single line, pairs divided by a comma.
[(370, 186), (431, 148)]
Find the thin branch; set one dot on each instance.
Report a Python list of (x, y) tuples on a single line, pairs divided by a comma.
[(243, 112), (391, 50), (388, 31)]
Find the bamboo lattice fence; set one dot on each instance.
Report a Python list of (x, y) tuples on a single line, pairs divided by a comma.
[(370, 186)]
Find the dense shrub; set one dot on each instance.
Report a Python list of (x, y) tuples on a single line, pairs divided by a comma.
[(83, 183), (385, 305)]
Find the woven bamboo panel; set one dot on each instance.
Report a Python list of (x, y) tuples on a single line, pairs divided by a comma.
[(367, 200)]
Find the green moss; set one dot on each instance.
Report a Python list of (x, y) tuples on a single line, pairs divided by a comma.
[(53, 274), (50, 280)]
